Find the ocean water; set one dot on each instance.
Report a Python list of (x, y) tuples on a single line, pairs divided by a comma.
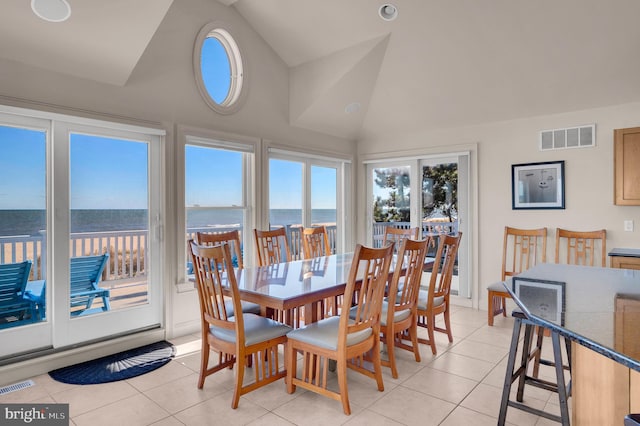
[(32, 222)]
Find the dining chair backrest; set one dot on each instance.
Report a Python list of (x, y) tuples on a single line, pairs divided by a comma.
[(579, 248), (272, 246), (213, 270), (396, 235), (408, 270), (316, 242), (442, 272), (366, 284), (231, 237), (522, 249)]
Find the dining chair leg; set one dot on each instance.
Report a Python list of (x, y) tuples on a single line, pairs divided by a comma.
[(204, 362), (430, 329), (413, 334), (239, 380), (291, 362), (391, 353), (342, 385), (377, 366), (447, 324)]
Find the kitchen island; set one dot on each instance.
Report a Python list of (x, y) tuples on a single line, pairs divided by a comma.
[(598, 309)]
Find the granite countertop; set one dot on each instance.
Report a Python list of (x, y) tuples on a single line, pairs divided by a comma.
[(625, 252), (584, 304)]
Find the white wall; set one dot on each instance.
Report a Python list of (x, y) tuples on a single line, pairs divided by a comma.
[(588, 174)]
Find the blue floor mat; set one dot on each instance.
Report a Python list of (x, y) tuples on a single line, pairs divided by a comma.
[(120, 366)]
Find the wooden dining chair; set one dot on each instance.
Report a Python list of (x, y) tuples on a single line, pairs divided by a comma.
[(272, 246), (521, 249), (579, 247), (396, 235), (342, 338), (435, 300), (316, 242), (399, 318), (246, 337), (232, 238)]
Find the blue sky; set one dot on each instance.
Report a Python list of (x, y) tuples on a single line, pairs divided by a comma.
[(22, 160)]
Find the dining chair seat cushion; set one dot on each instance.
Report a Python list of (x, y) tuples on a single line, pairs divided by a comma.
[(397, 316), (497, 286), (422, 300), (256, 329), (324, 334), (247, 308)]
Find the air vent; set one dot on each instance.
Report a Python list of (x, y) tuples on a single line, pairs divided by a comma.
[(571, 137), (16, 386)]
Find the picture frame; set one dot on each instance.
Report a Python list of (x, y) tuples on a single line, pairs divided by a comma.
[(537, 185), (544, 299)]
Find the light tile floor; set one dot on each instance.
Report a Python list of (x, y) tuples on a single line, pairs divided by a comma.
[(461, 385)]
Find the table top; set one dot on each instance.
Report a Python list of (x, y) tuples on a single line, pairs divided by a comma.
[(291, 284), (597, 307), (295, 279)]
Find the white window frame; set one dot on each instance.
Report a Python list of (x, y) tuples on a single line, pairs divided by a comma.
[(343, 179), (215, 140), (223, 32)]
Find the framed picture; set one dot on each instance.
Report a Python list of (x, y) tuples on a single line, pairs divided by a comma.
[(537, 185), (542, 298)]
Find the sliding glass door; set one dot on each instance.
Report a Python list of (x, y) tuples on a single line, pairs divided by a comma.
[(431, 193), (82, 203)]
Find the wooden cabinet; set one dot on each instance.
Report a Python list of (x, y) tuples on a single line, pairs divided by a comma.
[(604, 391), (626, 156), (625, 262), (625, 258)]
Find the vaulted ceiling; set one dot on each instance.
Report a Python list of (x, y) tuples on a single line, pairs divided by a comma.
[(439, 64)]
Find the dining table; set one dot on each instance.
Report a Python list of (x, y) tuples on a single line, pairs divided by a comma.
[(300, 283), (598, 310)]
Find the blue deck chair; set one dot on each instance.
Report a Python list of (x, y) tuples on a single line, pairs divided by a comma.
[(85, 274), (15, 309)]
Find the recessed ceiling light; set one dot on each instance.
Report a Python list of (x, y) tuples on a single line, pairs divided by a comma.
[(51, 10), (352, 107), (388, 12)]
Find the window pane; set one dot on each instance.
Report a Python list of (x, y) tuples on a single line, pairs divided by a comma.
[(324, 200), (23, 215), (216, 69), (213, 177), (285, 193), (440, 205), (391, 200), (323, 195), (109, 214), (214, 191), (440, 193)]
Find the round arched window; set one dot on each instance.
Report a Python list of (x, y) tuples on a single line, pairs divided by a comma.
[(219, 69)]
